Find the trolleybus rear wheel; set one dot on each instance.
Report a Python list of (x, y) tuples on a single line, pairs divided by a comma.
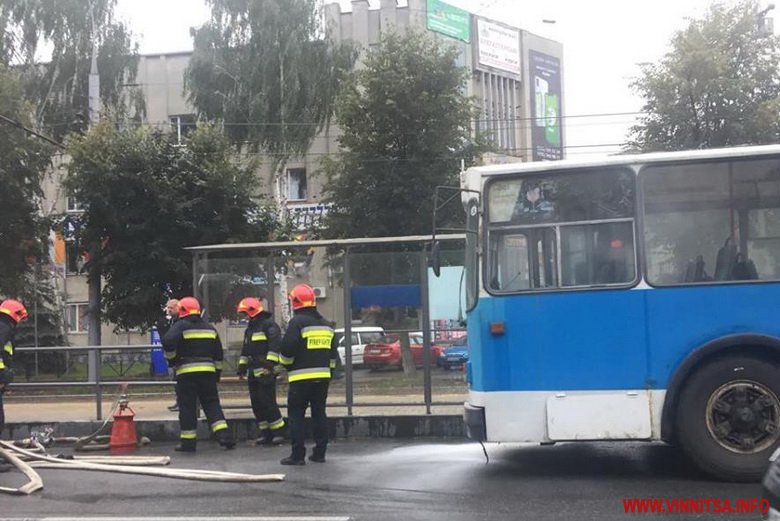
[(728, 417)]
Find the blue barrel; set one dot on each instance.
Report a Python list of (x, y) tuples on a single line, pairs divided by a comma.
[(159, 365)]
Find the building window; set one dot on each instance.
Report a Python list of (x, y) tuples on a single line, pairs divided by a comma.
[(73, 205), (77, 318), (296, 184), (74, 258), (181, 125)]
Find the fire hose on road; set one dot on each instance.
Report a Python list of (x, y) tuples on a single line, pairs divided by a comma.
[(129, 465)]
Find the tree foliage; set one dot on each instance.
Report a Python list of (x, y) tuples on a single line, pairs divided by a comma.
[(146, 198), (266, 69), (23, 162), (719, 85), (406, 128), (43, 328), (58, 87)]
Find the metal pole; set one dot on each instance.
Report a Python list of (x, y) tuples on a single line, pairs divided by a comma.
[(94, 273), (195, 267), (426, 327), (347, 282), (35, 311), (205, 296), (269, 282), (98, 386)]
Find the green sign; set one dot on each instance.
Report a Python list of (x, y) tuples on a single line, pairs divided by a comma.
[(446, 19)]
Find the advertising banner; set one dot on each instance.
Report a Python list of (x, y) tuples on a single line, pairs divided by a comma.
[(448, 20), (545, 83), (498, 47)]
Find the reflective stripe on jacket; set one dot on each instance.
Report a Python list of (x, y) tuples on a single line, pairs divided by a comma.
[(261, 344), (308, 348), (192, 345)]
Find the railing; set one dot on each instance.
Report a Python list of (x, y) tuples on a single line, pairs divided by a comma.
[(98, 382)]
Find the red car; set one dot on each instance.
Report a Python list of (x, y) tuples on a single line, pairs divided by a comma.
[(387, 352)]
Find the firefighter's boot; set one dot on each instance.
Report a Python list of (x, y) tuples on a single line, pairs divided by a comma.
[(227, 441), (186, 446)]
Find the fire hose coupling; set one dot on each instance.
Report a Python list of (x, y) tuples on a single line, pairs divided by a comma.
[(45, 438), (123, 400)]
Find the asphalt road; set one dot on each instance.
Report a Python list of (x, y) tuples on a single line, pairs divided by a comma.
[(386, 480)]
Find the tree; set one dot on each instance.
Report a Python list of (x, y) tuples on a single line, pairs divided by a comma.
[(43, 328), (23, 162), (266, 69), (145, 199), (58, 89), (406, 127), (719, 85)]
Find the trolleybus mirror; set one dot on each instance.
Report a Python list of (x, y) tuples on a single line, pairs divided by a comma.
[(436, 258)]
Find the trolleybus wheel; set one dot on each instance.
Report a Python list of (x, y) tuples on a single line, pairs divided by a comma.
[(728, 417)]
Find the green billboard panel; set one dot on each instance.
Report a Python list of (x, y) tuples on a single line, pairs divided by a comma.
[(448, 20)]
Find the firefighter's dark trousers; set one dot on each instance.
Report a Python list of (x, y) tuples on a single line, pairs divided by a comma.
[(190, 388), (2, 413), (301, 395), (262, 395)]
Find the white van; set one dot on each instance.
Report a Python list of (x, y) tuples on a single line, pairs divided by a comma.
[(361, 335)]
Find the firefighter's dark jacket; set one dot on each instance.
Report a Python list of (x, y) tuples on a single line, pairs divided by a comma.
[(261, 345), (7, 330), (309, 347), (192, 345)]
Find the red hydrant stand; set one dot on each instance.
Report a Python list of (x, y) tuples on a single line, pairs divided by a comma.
[(124, 438)]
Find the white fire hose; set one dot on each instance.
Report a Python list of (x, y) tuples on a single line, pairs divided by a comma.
[(129, 465)]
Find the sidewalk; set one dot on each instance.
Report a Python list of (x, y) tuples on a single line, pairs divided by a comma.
[(27, 410), (71, 417)]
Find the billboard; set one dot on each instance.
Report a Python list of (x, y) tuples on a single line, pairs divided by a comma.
[(545, 84), (448, 20), (498, 47)]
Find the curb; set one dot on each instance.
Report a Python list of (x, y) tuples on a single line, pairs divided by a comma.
[(411, 426)]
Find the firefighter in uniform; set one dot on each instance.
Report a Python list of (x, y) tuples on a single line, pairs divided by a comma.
[(11, 313), (259, 358), (192, 347), (309, 352)]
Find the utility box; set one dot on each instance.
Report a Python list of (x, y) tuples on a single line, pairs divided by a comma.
[(159, 365)]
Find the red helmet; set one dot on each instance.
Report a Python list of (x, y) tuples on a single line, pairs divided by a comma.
[(251, 306), (14, 309), (302, 296), (189, 306)]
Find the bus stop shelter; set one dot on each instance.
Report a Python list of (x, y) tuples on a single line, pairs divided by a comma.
[(346, 274)]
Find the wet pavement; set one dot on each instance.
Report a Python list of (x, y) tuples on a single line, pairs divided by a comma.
[(391, 480)]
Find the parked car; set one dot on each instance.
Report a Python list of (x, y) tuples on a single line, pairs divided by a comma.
[(361, 335), (771, 486), (387, 351), (456, 355)]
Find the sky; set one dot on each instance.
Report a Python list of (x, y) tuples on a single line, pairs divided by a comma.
[(603, 42)]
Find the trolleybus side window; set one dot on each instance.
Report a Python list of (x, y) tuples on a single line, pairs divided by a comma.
[(561, 229), (714, 221)]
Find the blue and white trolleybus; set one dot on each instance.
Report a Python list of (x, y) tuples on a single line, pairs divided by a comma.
[(635, 297)]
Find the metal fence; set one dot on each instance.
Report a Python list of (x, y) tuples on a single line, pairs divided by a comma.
[(132, 364)]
